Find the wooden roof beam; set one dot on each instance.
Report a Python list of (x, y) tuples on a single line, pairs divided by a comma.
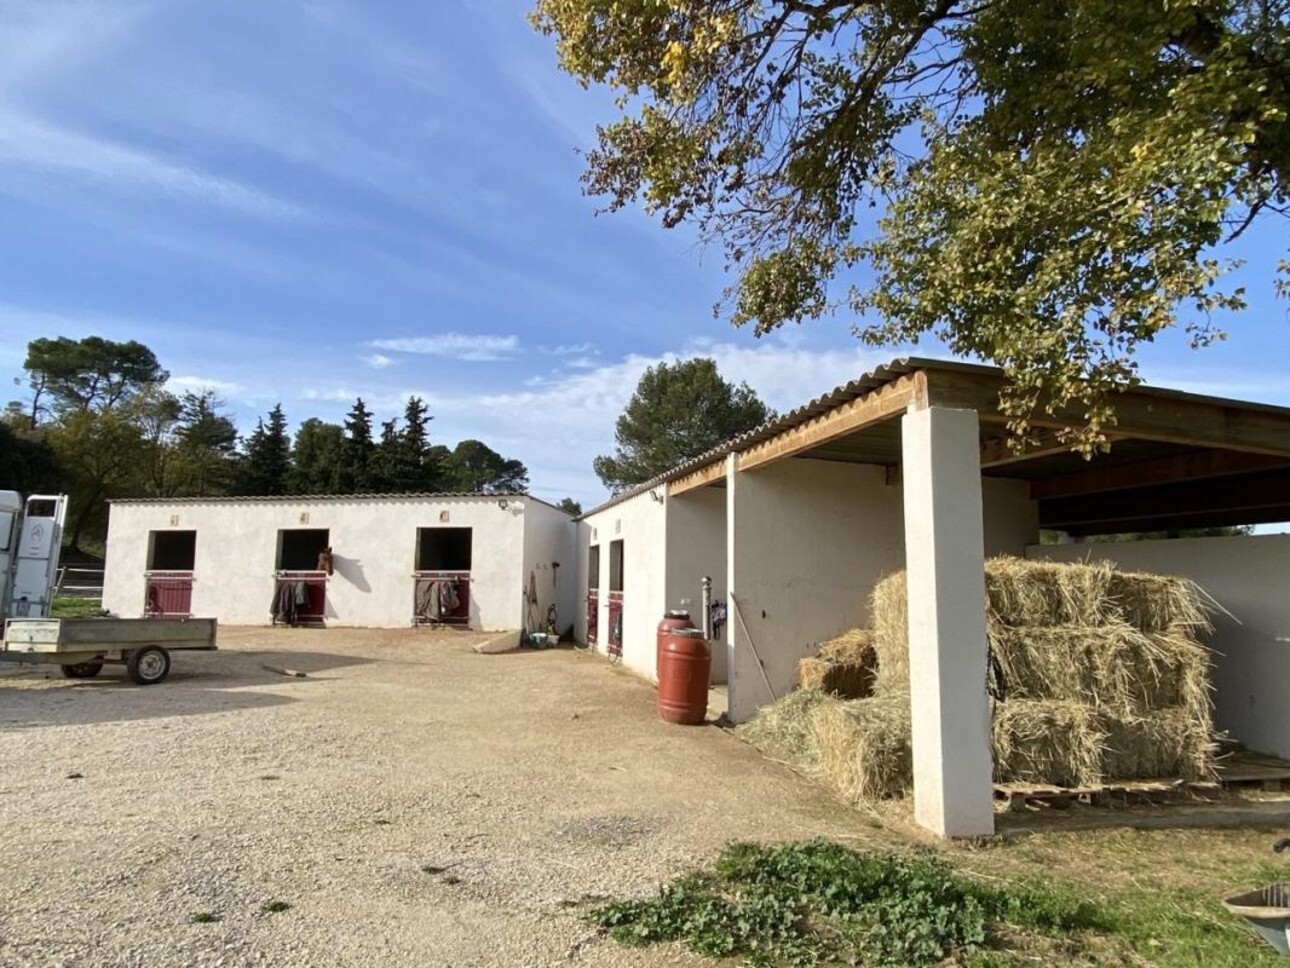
[(1175, 419), (695, 479), (998, 452), (881, 404), (1244, 499), (1199, 465)]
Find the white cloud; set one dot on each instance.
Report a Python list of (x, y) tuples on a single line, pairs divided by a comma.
[(197, 384), (379, 361), (456, 346), (31, 145), (576, 349), (578, 407)]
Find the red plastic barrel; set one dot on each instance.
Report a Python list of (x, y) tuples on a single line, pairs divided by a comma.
[(684, 664)]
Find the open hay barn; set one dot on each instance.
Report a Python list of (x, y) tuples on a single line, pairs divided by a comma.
[(909, 468)]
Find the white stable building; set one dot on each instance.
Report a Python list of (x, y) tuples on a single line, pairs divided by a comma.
[(910, 467), (480, 561)]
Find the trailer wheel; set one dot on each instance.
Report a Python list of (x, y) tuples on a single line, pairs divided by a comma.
[(148, 666), (82, 670)]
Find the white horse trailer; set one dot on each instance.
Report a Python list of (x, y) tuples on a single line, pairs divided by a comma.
[(31, 537)]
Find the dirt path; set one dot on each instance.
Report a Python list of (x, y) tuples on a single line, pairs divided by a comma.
[(414, 803)]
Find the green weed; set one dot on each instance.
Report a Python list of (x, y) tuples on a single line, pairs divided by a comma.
[(817, 902)]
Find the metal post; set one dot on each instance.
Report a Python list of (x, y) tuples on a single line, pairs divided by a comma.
[(706, 621)]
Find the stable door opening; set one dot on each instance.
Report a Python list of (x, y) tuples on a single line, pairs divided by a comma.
[(442, 576), (168, 580)]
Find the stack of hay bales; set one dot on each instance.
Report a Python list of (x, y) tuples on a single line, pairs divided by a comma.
[(1104, 678), (845, 667)]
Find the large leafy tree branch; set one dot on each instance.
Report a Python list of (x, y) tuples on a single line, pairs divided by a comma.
[(1043, 185)]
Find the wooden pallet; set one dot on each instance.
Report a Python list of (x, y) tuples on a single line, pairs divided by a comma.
[(1240, 768), (1245, 769), (1020, 796)]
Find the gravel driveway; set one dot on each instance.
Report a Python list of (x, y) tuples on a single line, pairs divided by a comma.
[(412, 802)]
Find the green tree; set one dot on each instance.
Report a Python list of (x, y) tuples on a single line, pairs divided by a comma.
[(316, 456), (386, 459), (475, 467), (27, 461), (417, 468), (155, 414), (1043, 185), (354, 471), (90, 374), (266, 461), (102, 456), (101, 407), (678, 412), (570, 506), (206, 445)]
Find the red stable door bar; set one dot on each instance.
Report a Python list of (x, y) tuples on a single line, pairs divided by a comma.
[(433, 604), (314, 607), (168, 594), (593, 617), (616, 623)]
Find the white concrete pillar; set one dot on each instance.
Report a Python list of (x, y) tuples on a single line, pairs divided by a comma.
[(741, 702), (944, 559)]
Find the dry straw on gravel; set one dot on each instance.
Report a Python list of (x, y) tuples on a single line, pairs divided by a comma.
[(783, 729)]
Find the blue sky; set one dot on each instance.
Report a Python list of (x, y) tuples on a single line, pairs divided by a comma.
[(305, 202)]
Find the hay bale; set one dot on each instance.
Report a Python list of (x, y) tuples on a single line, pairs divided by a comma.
[(783, 729), (1020, 592), (845, 666), (1168, 743), (863, 748), (1044, 742), (888, 606), (1114, 666), (1159, 603)]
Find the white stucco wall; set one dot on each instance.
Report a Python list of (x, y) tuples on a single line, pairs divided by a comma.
[(1248, 576), (641, 523), (810, 539), (374, 544), (549, 537), (696, 546)]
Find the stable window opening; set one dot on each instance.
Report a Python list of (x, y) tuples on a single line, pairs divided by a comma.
[(616, 566), (593, 569), (172, 550), (444, 549), (299, 548)]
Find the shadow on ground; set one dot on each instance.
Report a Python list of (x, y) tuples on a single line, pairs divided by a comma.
[(1231, 812), (200, 684)]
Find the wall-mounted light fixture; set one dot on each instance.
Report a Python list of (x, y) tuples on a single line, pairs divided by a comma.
[(656, 496), (503, 503)]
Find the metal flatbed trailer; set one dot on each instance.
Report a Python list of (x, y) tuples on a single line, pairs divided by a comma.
[(82, 646)]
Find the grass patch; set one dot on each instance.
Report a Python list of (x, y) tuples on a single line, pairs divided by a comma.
[(205, 917), (274, 907), (65, 606), (821, 903), (818, 902)]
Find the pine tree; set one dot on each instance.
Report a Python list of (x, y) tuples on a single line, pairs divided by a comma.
[(386, 461), (354, 469), (678, 411), (316, 456), (416, 468), (266, 463)]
